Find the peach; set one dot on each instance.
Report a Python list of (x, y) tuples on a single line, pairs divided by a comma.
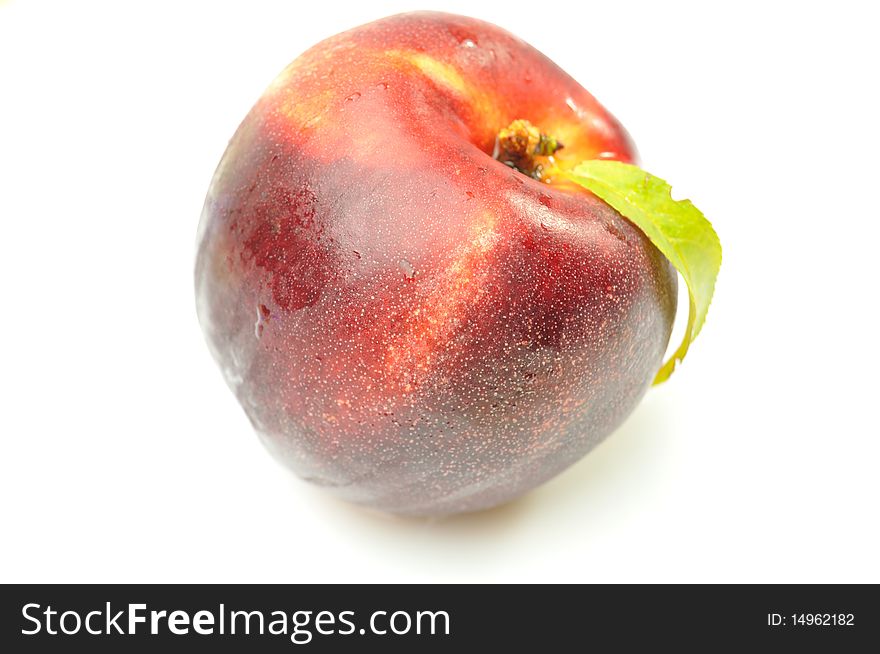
[(407, 320)]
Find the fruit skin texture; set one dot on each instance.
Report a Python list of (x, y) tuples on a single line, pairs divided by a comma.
[(406, 321)]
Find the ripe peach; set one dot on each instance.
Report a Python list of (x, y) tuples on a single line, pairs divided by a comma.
[(408, 321)]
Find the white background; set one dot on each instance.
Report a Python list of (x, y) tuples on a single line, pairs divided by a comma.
[(125, 458)]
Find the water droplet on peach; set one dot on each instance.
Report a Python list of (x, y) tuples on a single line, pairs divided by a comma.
[(263, 314), (408, 270)]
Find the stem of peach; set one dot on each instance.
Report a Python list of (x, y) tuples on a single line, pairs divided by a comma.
[(525, 148)]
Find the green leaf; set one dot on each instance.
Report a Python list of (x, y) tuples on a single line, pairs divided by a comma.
[(676, 227)]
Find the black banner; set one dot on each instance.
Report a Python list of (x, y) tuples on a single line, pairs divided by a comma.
[(113, 618)]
